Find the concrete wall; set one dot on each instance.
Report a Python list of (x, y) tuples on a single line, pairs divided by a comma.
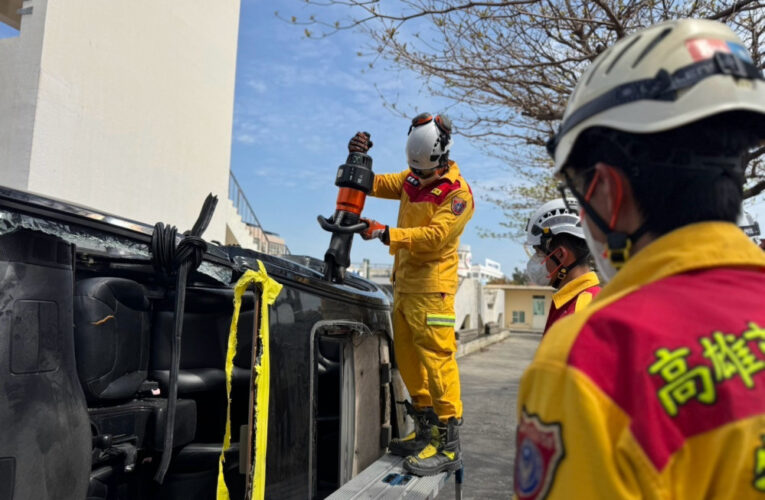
[(134, 106), (468, 306), (19, 77), (494, 306)]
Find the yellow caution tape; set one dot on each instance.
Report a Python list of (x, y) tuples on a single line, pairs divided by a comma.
[(270, 289)]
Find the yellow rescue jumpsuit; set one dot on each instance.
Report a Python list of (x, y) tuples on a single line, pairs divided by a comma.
[(431, 219), (655, 391)]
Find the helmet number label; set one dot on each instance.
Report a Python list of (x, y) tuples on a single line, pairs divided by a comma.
[(705, 48)]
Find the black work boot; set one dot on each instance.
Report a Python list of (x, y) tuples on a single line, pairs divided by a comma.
[(441, 455), (424, 430)]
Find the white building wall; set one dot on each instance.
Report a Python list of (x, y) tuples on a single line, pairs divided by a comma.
[(19, 75), (134, 106)]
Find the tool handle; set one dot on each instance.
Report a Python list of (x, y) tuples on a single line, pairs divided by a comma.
[(332, 227)]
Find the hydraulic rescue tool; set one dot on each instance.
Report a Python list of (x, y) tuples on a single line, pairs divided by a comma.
[(355, 180)]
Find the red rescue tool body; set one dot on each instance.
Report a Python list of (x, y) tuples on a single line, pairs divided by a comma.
[(355, 180)]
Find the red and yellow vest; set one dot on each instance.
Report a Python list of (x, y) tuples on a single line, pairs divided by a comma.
[(572, 297), (431, 219), (657, 389)]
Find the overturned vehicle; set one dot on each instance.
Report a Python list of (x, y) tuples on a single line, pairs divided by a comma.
[(113, 371)]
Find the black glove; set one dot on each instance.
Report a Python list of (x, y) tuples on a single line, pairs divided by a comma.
[(359, 143)]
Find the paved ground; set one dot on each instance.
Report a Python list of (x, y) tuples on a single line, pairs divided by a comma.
[(490, 379)]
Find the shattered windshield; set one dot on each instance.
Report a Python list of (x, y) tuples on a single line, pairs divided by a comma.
[(84, 240), (97, 241)]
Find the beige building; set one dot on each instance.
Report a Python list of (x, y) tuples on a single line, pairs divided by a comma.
[(268, 242), (525, 306)]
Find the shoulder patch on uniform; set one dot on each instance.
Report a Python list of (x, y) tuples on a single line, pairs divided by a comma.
[(414, 181), (540, 450), (458, 205)]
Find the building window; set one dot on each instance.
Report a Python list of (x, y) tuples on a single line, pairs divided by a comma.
[(519, 316), (539, 305)]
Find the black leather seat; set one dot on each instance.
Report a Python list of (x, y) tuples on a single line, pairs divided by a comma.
[(194, 473), (194, 470), (112, 319), (202, 375)]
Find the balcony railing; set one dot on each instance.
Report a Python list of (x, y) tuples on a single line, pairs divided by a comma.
[(243, 207)]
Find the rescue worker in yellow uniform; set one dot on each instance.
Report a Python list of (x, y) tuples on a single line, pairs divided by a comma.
[(435, 205), (657, 389), (560, 258)]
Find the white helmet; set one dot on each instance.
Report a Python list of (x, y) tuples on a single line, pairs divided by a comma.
[(429, 139), (554, 217), (663, 77), (750, 226)]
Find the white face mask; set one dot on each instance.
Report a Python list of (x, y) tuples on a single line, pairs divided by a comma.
[(536, 270), (598, 250)]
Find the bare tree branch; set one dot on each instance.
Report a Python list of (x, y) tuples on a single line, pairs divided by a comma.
[(753, 191), (506, 68), (737, 7)]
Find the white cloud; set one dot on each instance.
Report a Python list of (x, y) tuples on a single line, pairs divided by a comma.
[(258, 86), (245, 138)]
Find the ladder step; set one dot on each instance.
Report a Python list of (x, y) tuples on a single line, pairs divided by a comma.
[(386, 479)]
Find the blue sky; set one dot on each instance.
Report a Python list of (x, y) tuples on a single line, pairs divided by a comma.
[(299, 100), (7, 32)]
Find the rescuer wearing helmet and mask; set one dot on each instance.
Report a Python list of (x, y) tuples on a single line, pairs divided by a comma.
[(435, 205), (657, 388), (560, 258)]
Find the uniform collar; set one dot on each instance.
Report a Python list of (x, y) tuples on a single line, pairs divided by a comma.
[(451, 176), (574, 288), (453, 173), (695, 246)]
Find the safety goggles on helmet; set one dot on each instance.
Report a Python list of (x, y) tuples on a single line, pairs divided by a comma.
[(443, 122)]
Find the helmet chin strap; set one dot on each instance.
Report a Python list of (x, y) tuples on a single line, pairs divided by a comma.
[(561, 271), (618, 243)]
